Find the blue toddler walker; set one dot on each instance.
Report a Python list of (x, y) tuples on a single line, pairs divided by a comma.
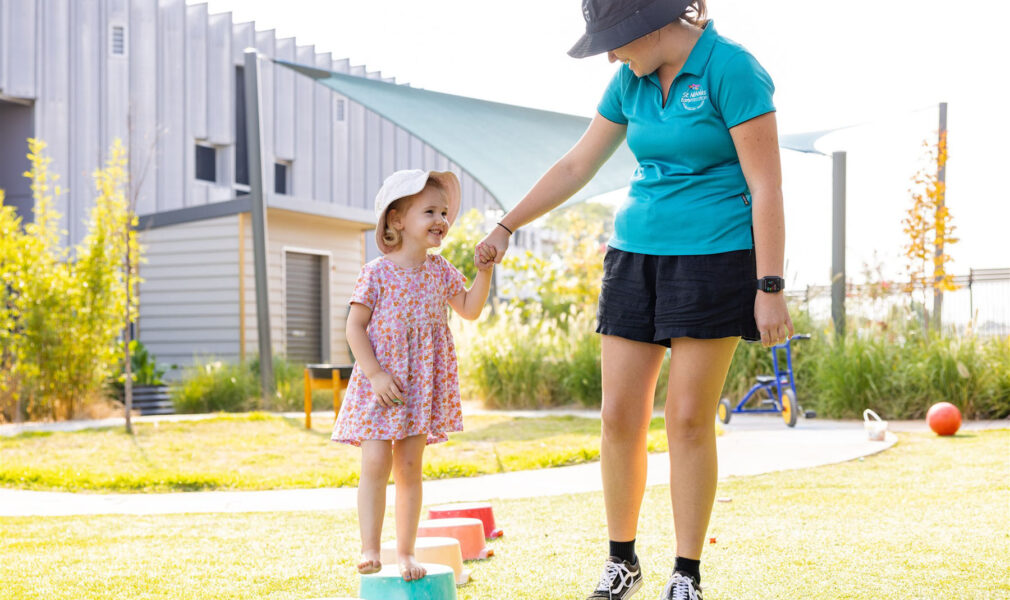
[(772, 393)]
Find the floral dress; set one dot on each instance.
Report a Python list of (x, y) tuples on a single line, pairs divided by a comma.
[(410, 336)]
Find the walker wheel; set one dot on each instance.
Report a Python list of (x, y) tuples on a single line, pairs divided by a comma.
[(725, 410), (790, 408)]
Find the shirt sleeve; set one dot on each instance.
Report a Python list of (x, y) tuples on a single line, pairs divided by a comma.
[(366, 288), (453, 280), (745, 90), (612, 104)]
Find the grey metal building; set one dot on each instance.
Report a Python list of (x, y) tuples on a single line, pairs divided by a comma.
[(167, 79)]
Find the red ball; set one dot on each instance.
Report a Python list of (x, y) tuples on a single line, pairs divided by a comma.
[(944, 418)]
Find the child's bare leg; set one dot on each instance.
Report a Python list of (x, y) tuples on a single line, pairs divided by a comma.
[(376, 461), (407, 455)]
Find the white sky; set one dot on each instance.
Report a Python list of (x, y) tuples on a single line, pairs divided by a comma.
[(885, 69)]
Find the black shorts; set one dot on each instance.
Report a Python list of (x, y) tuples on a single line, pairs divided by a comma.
[(648, 298)]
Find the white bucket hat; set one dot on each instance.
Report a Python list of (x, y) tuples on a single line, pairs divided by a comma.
[(407, 183)]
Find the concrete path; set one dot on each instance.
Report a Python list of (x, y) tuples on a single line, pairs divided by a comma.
[(752, 444)]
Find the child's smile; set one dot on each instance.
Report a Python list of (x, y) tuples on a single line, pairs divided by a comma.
[(426, 220)]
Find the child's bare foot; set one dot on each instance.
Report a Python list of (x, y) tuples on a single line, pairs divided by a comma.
[(370, 562), (410, 569)]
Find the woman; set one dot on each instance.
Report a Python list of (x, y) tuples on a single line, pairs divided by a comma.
[(695, 262)]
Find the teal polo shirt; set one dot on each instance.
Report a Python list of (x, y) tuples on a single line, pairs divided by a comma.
[(688, 194)]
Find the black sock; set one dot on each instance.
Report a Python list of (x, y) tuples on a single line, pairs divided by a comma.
[(688, 566), (623, 550)]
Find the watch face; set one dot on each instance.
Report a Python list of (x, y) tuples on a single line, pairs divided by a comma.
[(770, 284)]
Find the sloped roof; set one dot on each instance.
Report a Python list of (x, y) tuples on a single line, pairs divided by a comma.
[(504, 147)]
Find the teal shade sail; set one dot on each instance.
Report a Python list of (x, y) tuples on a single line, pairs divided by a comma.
[(504, 147)]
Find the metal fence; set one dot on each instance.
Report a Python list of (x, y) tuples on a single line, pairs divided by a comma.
[(981, 303)]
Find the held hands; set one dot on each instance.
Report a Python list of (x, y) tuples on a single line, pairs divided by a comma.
[(772, 318), (491, 250), (387, 389)]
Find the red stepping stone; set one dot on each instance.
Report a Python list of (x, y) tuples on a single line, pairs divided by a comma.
[(471, 510)]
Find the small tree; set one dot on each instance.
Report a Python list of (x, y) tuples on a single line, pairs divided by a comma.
[(61, 318), (929, 229), (107, 261)]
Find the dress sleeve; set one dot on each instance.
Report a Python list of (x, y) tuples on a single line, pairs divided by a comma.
[(366, 288), (453, 280), (611, 106), (745, 90)]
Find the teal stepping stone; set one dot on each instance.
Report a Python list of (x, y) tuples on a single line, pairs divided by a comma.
[(387, 584)]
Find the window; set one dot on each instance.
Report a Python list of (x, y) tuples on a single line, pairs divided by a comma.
[(282, 178), (206, 163), (241, 141), (118, 40), (340, 110)]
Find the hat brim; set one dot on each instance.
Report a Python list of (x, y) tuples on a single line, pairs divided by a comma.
[(650, 18), (449, 182)]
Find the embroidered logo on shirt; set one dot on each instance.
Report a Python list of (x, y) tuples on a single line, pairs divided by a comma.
[(694, 98)]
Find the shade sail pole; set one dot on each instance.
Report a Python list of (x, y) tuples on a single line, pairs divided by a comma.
[(257, 207), (838, 242)]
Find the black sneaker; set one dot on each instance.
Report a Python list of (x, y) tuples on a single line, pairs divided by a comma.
[(681, 587), (619, 581)]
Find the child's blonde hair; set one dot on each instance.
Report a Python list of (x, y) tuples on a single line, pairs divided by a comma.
[(392, 236)]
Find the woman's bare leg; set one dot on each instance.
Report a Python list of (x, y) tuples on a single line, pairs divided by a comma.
[(698, 370), (630, 370)]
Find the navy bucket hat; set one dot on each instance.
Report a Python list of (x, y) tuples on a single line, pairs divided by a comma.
[(613, 23)]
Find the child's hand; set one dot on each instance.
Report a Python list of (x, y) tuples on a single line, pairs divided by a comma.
[(483, 256), (387, 389)]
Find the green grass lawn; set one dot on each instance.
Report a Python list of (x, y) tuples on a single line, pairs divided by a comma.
[(926, 519), (258, 451)]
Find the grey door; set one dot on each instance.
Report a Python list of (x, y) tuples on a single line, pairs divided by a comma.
[(304, 312)]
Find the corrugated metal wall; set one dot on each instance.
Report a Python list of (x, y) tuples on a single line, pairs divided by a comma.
[(170, 85), (189, 299)]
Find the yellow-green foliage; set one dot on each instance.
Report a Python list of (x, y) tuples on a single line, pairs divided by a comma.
[(63, 311), (464, 235), (928, 226)]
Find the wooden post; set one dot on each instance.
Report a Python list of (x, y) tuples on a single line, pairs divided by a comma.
[(308, 398)]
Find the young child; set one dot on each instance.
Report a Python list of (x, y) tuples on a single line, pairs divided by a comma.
[(404, 390)]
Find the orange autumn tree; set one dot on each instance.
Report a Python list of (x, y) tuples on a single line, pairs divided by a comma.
[(928, 227)]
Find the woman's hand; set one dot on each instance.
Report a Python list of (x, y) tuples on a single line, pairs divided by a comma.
[(772, 318), (387, 389), (492, 248)]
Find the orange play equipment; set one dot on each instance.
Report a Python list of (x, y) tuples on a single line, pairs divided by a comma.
[(469, 533), (436, 550), (325, 377), (944, 418), (472, 510)]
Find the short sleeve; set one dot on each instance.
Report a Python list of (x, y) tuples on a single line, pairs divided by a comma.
[(366, 288), (745, 90), (453, 281), (612, 104)]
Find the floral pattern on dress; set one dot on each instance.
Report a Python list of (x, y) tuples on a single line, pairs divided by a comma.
[(410, 336)]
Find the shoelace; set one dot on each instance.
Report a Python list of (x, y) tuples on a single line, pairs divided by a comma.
[(611, 571), (680, 587)]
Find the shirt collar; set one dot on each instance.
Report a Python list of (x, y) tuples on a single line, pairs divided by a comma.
[(697, 60)]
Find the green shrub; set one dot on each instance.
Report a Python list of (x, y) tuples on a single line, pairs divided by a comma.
[(506, 362), (892, 367), (901, 378), (216, 386)]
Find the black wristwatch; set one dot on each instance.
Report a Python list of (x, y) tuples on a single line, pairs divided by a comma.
[(771, 284)]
